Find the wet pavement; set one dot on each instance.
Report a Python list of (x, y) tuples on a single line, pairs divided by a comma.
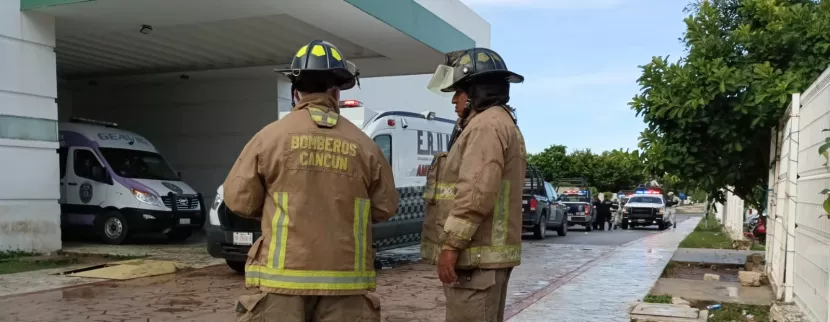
[(191, 253), (555, 281), (713, 256), (607, 288)]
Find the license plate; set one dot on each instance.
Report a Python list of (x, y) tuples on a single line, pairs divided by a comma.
[(243, 238), (184, 221), (641, 220), (524, 202)]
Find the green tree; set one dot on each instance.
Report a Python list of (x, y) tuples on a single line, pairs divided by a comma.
[(553, 162), (709, 114), (609, 171)]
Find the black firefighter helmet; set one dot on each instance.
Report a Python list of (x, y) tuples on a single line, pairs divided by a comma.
[(321, 60), (471, 66)]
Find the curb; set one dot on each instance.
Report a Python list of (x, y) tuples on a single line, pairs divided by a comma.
[(515, 308)]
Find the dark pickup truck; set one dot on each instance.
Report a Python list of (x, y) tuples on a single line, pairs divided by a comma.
[(540, 209)]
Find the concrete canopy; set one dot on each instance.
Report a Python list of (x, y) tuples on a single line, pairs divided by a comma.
[(100, 38)]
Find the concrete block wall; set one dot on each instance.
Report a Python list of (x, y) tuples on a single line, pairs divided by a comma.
[(29, 210)]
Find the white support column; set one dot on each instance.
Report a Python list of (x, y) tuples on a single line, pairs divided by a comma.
[(29, 210), (792, 194)]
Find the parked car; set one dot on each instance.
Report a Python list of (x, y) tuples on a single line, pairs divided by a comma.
[(648, 207), (558, 219), (116, 182), (536, 205)]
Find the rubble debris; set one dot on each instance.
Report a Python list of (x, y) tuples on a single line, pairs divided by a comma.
[(749, 278)]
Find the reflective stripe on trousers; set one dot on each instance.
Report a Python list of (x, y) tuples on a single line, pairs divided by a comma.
[(275, 275)]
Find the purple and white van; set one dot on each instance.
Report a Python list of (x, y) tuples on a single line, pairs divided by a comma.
[(116, 182)]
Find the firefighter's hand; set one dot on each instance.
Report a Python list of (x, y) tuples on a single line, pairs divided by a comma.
[(446, 266)]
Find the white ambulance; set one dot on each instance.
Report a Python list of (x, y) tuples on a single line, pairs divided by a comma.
[(408, 140), (116, 182)]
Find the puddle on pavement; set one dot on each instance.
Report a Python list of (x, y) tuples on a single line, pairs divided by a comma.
[(695, 271), (173, 310), (86, 292)]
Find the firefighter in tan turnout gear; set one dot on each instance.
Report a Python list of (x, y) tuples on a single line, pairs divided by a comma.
[(473, 224), (317, 183)]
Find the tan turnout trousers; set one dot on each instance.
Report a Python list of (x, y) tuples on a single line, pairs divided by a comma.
[(478, 296), (299, 308)]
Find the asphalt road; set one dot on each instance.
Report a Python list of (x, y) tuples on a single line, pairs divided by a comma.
[(578, 236)]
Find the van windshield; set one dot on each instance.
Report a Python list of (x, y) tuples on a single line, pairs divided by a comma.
[(139, 164)]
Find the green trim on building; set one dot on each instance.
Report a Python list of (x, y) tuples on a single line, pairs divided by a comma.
[(409, 17), (28, 128), (37, 4)]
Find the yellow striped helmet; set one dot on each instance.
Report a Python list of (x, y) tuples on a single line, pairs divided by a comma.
[(322, 59)]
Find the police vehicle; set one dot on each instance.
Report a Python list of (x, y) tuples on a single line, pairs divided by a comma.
[(647, 207), (408, 140), (116, 182), (578, 200)]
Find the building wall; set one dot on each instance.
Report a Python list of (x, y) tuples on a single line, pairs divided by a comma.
[(460, 16), (798, 253), (200, 126), (401, 93), (812, 227), (29, 211)]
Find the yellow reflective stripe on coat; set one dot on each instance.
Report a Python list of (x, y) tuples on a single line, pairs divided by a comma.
[(361, 224), (500, 214), (475, 256), (256, 275), (440, 191), (324, 119), (279, 231)]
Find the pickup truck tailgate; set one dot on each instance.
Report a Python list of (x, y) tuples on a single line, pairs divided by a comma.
[(526, 203)]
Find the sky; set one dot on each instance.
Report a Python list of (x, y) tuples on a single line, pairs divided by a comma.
[(580, 60)]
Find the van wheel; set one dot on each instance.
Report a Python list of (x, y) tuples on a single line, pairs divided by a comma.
[(112, 228), (540, 230), (179, 234), (236, 266), (624, 226)]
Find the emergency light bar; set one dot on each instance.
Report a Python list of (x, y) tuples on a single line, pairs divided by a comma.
[(351, 103), (647, 192), (91, 121), (574, 192)]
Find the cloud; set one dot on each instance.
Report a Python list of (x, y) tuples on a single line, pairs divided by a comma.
[(546, 4)]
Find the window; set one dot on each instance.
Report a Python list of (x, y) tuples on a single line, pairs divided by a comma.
[(84, 161), (385, 143), (62, 152), (139, 164), (654, 200), (551, 192)]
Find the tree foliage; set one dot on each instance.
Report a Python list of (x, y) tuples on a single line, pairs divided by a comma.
[(608, 171), (709, 114)]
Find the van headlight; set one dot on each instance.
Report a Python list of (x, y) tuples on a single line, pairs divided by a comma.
[(214, 210), (216, 202), (146, 197)]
